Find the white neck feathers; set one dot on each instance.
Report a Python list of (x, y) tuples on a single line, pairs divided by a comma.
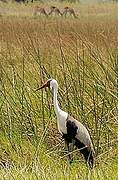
[(61, 115), (55, 101)]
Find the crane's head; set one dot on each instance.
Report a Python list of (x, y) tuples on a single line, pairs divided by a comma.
[(50, 83)]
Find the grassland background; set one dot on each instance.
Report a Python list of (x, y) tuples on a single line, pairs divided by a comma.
[(82, 54)]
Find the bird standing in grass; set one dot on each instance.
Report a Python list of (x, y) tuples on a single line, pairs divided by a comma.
[(72, 130)]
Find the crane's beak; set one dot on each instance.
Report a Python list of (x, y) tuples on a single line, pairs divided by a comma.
[(46, 84)]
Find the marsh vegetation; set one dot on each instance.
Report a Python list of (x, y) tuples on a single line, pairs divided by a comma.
[(82, 54)]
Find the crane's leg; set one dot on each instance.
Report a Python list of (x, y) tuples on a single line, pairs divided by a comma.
[(90, 160), (70, 158)]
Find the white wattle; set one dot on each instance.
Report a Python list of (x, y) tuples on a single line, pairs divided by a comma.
[(61, 115)]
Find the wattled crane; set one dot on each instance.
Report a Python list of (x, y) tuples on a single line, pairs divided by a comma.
[(72, 130)]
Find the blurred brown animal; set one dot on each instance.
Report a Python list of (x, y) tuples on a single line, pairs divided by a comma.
[(54, 10), (70, 11), (40, 11)]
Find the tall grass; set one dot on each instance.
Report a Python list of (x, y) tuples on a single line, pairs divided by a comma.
[(82, 55)]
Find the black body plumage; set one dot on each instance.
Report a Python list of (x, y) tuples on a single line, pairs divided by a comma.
[(70, 137)]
